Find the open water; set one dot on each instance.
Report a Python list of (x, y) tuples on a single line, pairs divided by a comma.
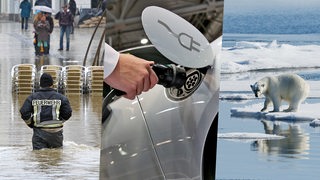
[(268, 35)]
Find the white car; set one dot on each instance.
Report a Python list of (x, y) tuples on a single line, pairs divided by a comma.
[(169, 132)]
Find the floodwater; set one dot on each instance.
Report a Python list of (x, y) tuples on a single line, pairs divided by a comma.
[(294, 157), (79, 158)]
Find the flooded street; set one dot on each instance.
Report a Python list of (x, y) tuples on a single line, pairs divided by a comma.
[(79, 158)]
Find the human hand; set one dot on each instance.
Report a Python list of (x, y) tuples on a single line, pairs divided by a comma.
[(132, 75)]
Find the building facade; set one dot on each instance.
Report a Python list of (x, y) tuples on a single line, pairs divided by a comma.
[(9, 9)]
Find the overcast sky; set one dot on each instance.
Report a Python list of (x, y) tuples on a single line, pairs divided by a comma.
[(249, 5)]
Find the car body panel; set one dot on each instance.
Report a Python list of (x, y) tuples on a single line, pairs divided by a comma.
[(179, 129), (162, 138), (126, 149)]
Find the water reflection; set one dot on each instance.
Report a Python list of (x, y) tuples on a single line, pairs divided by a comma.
[(75, 101), (294, 157), (295, 143)]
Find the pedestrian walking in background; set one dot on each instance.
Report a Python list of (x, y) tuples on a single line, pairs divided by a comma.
[(42, 28), (45, 112), (65, 22), (25, 7), (51, 24), (73, 9)]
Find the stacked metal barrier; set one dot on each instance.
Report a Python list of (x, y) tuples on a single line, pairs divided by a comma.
[(94, 79), (56, 72), (23, 78), (72, 79)]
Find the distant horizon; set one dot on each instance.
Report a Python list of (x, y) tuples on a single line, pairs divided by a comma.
[(256, 18)]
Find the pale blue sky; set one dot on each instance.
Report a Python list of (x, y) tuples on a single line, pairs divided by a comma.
[(250, 5)]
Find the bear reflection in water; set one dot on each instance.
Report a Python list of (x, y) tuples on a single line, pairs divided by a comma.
[(295, 143)]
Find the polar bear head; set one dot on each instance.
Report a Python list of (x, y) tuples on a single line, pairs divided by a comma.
[(258, 88)]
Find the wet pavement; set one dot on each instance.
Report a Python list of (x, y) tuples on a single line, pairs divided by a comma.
[(17, 45), (79, 159)]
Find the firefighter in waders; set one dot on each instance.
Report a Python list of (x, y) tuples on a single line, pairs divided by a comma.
[(45, 111)]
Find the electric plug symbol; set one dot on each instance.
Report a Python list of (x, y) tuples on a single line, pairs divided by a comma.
[(185, 40)]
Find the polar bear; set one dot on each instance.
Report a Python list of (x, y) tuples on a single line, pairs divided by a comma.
[(288, 87)]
